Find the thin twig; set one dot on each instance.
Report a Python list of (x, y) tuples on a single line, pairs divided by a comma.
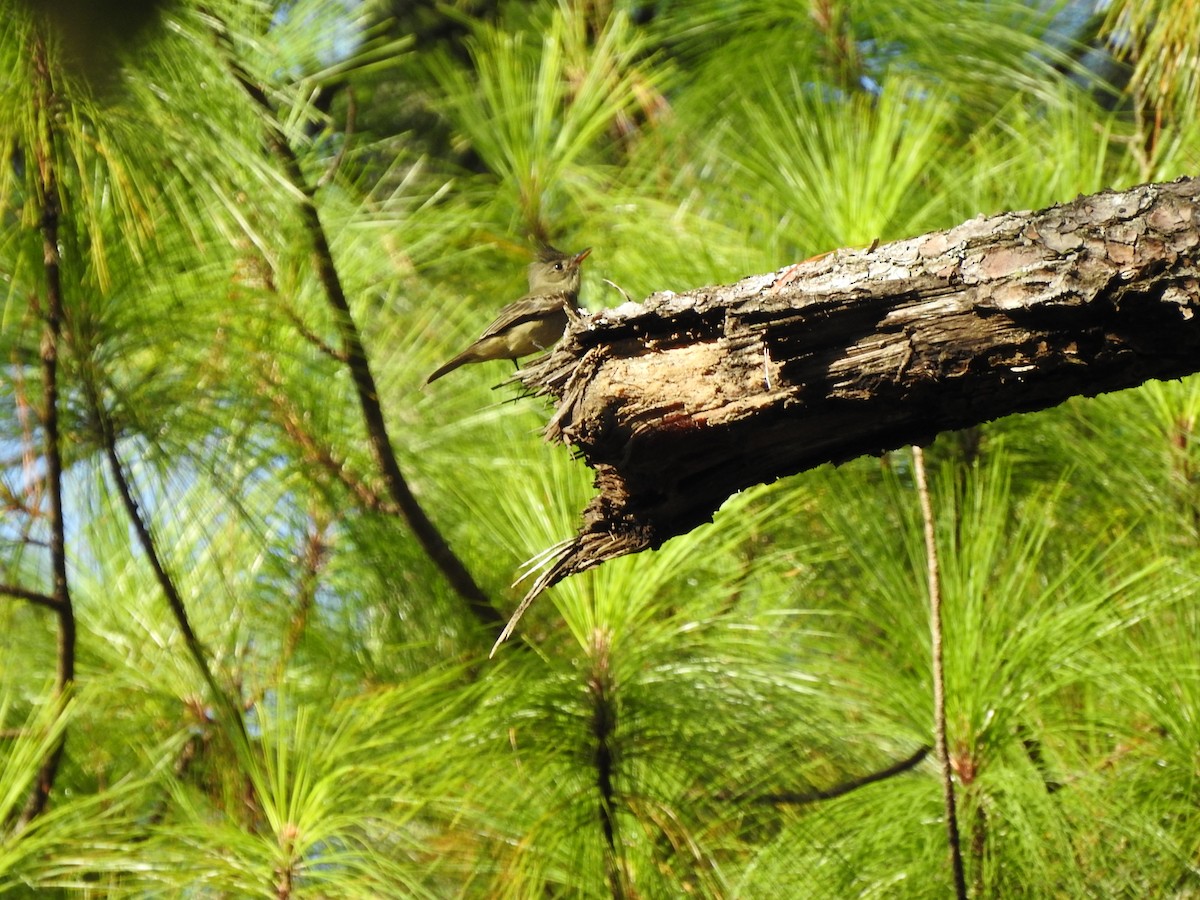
[(37, 597), (939, 679), (838, 790), (620, 290), (312, 337), (320, 455)]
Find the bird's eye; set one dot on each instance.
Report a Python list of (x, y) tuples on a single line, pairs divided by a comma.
[(558, 267)]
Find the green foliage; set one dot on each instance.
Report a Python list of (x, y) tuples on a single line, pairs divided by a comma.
[(844, 173), (689, 722), (535, 115)]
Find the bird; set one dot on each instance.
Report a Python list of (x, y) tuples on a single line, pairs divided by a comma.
[(536, 321)]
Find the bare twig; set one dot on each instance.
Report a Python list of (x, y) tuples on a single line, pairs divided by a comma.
[(939, 680), (319, 454), (845, 787), (36, 597), (620, 290), (313, 338)]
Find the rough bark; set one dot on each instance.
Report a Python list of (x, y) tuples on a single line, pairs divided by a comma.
[(684, 399)]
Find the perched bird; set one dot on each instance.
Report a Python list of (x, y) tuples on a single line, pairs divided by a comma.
[(535, 321)]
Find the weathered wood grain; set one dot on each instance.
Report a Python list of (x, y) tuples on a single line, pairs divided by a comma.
[(684, 399)]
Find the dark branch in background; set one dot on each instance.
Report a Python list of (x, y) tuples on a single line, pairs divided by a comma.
[(800, 798), (35, 597), (355, 355), (51, 342), (313, 338), (934, 580), (685, 399), (170, 591)]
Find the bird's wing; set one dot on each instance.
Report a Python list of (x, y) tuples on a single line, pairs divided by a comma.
[(525, 309)]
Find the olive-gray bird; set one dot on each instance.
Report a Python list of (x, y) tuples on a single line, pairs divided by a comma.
[(535, 321)]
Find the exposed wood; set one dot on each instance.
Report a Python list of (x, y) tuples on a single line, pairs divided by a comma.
[(684, 399)]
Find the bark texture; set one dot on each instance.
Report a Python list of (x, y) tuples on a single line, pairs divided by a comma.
[(684, 399)]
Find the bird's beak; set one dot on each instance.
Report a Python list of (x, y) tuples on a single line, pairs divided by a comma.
[(580, 256)]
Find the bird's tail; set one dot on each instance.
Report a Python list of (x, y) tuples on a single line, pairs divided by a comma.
[(468, 355)]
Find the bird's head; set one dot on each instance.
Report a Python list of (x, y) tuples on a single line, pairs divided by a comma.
[(554, 271)]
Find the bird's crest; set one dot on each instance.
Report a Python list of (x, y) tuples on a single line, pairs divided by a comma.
[(547, 253)]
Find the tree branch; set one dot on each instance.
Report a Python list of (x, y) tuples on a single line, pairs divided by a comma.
[(317, 454), (355, 355), (800, 798), (36, 597), (52, 333), (108, 438), (681, 401), (934, 580)]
